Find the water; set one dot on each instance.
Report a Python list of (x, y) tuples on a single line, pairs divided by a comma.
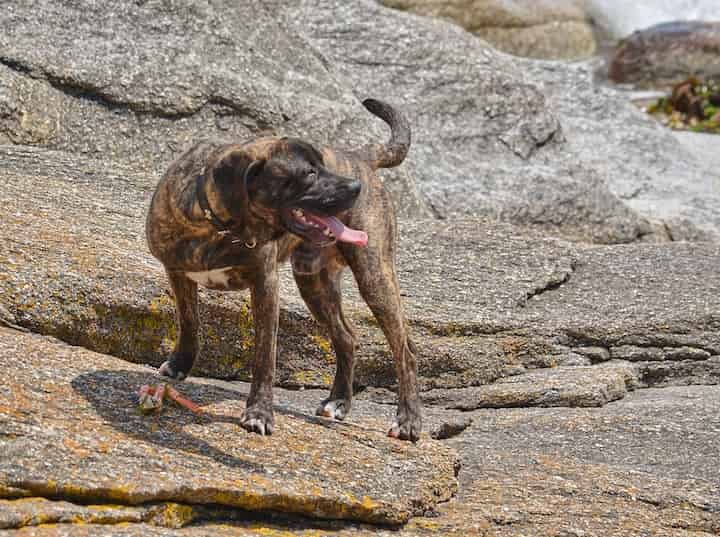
[(620, 18)]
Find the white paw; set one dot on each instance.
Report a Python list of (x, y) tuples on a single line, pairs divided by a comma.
[(257, 421), (335, 409), (166, 370)]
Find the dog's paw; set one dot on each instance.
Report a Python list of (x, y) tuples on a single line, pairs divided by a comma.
[(167, 370), (257, 419), (407, 426), (177, 366), (334, 408)]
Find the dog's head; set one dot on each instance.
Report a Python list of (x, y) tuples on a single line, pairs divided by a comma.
[(290, 189)]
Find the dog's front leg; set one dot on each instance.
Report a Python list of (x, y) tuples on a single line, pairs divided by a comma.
[(180, 362), (258, 416)]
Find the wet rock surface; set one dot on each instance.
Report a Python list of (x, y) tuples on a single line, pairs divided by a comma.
[(666, 54)]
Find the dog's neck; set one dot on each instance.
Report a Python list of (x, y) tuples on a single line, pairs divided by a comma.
[(219, 215)]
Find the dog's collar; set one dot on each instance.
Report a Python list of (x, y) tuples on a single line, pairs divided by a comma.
[(224, 229)]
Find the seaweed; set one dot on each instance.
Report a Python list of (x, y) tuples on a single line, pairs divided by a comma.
[(693, 105)]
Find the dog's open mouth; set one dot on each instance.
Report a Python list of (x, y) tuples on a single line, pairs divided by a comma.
[(322, 230)]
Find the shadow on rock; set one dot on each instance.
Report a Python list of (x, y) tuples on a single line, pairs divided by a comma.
[(113, 395)]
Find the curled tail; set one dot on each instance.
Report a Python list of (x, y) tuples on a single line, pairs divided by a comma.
[(394, 152)]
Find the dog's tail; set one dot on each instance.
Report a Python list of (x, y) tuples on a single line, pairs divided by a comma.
[(394, 152)]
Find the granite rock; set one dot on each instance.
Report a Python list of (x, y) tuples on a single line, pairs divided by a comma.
[(511, 298), (72, 431), (550, 30), (641, 465), (161, 77)]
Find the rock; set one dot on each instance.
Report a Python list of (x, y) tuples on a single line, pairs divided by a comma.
[(668, 182), (510, 160), (666, 54), (163, 77), (448, 429), (511, 298), (684, 372), (545, 29), (617, 18), (633, 353), (594, 354), (562, 386), (705, 147), (640, 466), (643, 463), (686, 353), (608, 303), (72, 432), (34, 512), (525, 141), (573, 359)]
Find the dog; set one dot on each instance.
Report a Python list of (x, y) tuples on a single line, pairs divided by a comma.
[(225, 216)]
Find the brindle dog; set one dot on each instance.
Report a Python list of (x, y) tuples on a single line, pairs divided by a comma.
[(225, 216)]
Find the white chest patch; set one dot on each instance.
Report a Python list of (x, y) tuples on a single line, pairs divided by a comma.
[(211, 278)]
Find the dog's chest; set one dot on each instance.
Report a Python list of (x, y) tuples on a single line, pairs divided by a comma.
[(218, 279)]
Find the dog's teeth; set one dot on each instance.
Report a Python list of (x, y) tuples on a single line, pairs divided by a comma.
[(326, 232)]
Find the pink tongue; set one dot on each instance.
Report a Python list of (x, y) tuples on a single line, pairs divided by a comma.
[(341, 232)]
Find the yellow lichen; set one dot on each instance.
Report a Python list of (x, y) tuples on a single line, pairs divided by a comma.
[(325, 347), (311, 378), (173, 515)]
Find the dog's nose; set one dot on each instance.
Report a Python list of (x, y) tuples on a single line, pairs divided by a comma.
[(355, 188)]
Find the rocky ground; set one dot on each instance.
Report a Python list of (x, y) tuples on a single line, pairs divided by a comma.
[(558, 262)]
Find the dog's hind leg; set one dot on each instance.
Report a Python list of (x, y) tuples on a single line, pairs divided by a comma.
[(181, 360), (374, 272), (322, 295)]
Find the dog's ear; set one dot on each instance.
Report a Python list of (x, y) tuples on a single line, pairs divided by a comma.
[(302, 150), (251, 173), (231, 168), (233, 174)]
